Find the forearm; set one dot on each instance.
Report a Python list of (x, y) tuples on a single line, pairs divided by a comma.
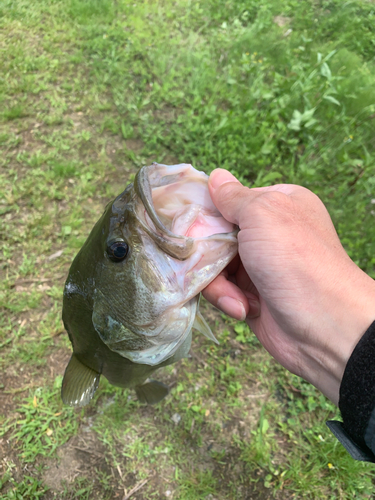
[(347, 310)]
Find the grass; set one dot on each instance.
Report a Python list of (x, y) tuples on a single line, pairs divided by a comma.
[(41, 428), (278, 91)]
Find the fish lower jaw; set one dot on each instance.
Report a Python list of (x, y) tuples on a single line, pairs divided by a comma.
[(184, 272), (174, 338), (153, 356)]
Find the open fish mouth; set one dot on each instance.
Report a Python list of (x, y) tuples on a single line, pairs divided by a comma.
[(185, 244), (131, 298), (179, 211)]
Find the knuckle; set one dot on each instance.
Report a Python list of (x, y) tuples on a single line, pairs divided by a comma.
[(278, 208), (230, 195), (229, 190), (275, 201)]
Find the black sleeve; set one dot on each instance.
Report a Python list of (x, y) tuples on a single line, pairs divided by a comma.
[(357, 401)]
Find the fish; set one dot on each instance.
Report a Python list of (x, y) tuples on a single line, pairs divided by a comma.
[(131, 298)]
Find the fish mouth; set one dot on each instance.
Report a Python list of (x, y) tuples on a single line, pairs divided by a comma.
[(178, 210), (175, 214)]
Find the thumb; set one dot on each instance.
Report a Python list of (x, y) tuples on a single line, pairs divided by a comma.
[(229, 195)]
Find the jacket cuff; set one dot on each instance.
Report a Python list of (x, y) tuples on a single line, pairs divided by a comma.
[(357, 401)]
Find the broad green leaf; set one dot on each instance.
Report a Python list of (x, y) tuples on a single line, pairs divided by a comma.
[(325, 71), (331, 99)]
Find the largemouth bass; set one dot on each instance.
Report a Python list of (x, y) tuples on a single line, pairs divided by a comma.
[(131, 298)]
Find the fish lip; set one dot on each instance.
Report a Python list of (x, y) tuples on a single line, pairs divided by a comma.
[(142, 187), (177, 246)]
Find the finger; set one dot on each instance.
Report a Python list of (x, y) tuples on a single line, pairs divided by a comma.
[(233, 266), (243, 281), (231, 197), (230, 299), (228, 194)]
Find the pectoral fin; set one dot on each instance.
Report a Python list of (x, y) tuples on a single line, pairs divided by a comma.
[(152, 392), (202, 327), (79, 383)]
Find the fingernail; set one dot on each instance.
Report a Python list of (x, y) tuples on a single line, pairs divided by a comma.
[(219, 177), (254, 311), (232, 307)]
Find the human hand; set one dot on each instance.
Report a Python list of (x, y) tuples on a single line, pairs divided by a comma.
[(293, 283)]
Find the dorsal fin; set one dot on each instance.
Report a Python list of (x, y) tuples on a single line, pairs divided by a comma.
[(79, 383), (202, 327)]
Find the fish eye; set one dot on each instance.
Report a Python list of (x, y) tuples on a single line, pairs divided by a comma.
[(117, 250)]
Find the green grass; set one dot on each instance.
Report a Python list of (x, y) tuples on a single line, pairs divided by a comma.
[(90, 91), (43, 424)]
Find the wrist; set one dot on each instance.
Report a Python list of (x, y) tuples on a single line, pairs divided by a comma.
[(349, 312)]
